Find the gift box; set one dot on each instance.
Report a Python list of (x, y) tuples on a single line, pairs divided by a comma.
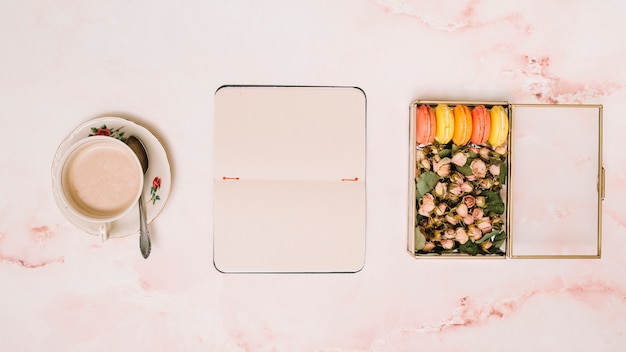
[(528, 183)]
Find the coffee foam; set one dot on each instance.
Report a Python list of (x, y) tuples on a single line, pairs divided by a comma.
[(100, 181)]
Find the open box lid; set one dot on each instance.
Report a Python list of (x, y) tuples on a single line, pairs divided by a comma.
[(556, 181), (289, 178)]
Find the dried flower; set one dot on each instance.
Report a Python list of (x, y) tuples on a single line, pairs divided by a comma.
[(428, 204), (428, 247), (501, 150), (456, 177), (486, 183), (419, 155), (462, 210), (466, 187), (479, 169), (451, 219), (425, 163), (442, 168), (484, 224), (440, 210), (448, 234), (468, 220), (441, 189), (486, 245), (455, 189), (470, 201), (459, 159), (481, 201), (494, 170), (484, 153), (477, 213), (474, 232), (447, 244), (460, 235)]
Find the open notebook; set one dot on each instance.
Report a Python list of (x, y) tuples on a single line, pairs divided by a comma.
[(289, 179)]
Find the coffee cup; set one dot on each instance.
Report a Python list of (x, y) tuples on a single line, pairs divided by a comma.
[(100, 180)]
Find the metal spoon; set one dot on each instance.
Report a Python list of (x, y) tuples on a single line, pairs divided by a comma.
[(144, 234)]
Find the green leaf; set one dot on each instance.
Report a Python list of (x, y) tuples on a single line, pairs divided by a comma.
[(469, 247), (498, 241), (104, 127), (465, 169), (425, 183), (94, 130), (158, 198), (445, 153), (121, 134), (494, 203), (503, 173), (487, 236), (420, 239)]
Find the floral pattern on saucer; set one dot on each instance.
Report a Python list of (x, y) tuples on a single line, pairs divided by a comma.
[(116, 133)]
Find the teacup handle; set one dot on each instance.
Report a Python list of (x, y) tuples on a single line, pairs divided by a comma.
[(104, 231)]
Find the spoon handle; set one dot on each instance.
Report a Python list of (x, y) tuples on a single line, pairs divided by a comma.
[(144, 234)]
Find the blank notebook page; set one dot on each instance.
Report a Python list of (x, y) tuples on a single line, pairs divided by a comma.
[(289, 179)]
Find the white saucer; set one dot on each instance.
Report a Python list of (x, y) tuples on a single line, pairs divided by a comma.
[(158, 166)]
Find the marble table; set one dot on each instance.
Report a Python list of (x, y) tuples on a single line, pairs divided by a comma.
[(159, 64)]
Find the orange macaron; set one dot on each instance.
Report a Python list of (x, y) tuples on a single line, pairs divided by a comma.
[(462, 125), (425, 125), (481, 125)]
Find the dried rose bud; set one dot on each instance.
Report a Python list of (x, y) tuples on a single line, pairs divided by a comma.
[(428, 204), (459, 159), (484, 224), (460, 235), (471, 178), (419, 155), (484, 153), (474, 232), (447, 244), (470, 201), (441, 209), (448, 234), (462, 210), (428, 247), (494, 170), (456, 177), (466, 187), (440, 189), (501, 150), (486, 245), (443, 170), (474, 150), (425, 163), (451, 219), (477, 213), (479, 169), (486, 183), (468, 220), (455, 189), (481, 201)]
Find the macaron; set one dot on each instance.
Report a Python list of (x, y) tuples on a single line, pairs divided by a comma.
[(462, 125), (425, 125), (445, 123), (481, 125), (499, 126)]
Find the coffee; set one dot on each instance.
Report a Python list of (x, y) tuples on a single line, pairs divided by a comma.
[(101, 180)]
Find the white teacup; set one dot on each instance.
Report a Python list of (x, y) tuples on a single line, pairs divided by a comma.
[(100, 180)]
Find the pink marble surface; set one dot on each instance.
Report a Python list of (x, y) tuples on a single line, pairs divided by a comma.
[(159, 63)]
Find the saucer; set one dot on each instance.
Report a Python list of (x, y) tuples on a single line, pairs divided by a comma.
[(157, 179)]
